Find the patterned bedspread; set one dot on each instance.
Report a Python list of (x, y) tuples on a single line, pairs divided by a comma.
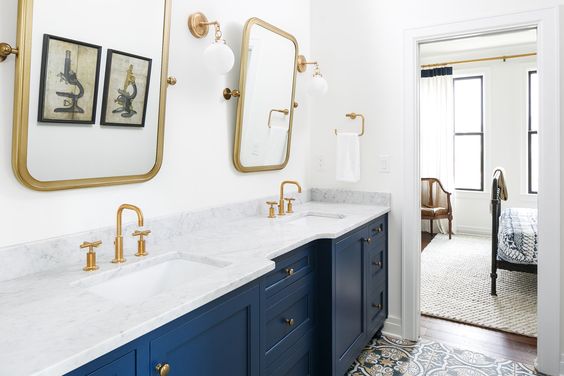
[(517, 237)]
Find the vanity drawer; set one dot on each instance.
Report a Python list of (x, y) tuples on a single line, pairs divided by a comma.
[(378, 228), (298, 360), (290, 268), (376, 309), (290, 314), (377, 260)]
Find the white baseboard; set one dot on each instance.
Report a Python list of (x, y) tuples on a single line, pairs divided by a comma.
[(469, 230), (392, 327)]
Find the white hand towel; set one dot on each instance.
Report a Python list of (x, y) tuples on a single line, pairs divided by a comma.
[(275, 152), (348, 157)]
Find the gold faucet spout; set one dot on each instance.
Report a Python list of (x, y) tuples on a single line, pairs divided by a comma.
[(281, 210), (119, 230)]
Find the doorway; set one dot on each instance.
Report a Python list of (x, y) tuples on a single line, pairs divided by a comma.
[(549, 185)]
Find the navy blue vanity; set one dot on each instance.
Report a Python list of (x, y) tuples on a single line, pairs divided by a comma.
[(312, 315)]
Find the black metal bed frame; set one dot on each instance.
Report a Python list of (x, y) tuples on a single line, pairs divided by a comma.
[(501, 264)]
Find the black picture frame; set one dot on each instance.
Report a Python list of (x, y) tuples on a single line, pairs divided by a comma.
[(127, 110), (86, 82)]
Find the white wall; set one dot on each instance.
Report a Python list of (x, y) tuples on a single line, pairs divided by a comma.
[(197, 169), (363, 61), (505, 136)]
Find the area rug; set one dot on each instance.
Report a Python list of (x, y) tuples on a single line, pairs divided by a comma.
[(455, 285), (388, 356)]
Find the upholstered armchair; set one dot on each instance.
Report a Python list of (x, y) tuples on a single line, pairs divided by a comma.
[(435, 203)]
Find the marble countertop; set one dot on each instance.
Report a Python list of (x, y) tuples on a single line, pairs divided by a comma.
[(50, 324)]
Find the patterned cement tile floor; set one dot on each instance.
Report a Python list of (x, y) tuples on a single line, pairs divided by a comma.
[(394, 357)]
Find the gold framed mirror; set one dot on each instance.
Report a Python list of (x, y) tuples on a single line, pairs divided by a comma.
[(267, 87), (77, 126)]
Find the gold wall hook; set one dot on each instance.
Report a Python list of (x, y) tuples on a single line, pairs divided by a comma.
[(228, 93), (353, 115), (6, 50), (171, 81)]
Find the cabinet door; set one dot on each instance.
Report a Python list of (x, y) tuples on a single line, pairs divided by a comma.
[(221, 341), (124, 366), (350, 296)]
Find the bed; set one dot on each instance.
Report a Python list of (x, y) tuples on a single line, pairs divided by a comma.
[(514, 236)]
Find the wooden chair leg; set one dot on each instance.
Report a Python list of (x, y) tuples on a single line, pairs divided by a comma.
[(449, 229), (431, 226)]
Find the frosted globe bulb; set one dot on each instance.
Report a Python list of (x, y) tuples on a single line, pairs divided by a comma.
[(219, 58), (318, 85)]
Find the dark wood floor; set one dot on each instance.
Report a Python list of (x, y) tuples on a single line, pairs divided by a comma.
[(426, 238), (493, 343)]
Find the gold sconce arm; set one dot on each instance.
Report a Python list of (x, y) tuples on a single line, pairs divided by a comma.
[(199, 26), (284, 111), (303, 63), (6, 50), (353, 116)]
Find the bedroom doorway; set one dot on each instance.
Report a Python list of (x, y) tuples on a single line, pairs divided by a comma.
[(478, 105), (549, 261)]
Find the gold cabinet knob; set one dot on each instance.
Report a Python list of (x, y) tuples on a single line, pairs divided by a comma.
[(290, 271), (377, 306), (90, 255), (163, 369), (378, 229), (290, 322), (368, 240), (271, 211), (378, 264), (171, 81)]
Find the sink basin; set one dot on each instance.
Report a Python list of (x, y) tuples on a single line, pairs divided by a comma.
[(313, 218), (143, 283)]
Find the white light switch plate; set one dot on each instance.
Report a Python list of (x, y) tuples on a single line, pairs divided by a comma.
[(384, 164)]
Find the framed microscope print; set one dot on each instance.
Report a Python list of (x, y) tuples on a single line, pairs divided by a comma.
[(126, 88), (68, 86)]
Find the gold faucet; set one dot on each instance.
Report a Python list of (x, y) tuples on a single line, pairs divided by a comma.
[(281, 202), (119, 237)]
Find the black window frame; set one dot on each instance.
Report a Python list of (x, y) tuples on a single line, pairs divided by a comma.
[(530, 132), (481, 133)]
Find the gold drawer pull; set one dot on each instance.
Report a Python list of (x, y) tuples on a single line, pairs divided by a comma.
[(368, 240), (378, 264), (378, 229), (377, 306), (290, 322), (290, 271), (163, 369)]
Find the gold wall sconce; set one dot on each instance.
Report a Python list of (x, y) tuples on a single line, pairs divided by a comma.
[(6, 50), (219, 58), (318, 84), (352, 116)]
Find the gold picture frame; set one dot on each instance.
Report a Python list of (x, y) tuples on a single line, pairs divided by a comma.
[(21, 110), (241, 103)]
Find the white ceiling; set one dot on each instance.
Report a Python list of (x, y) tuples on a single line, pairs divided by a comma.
[(490, 41)]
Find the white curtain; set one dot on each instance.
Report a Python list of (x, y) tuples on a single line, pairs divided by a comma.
[(437, 136)]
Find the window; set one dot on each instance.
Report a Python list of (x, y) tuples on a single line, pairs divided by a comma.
[(469, 133), (533, 137)]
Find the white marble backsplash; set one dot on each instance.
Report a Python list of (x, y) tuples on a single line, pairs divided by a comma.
[(341, 196), (40, 256)]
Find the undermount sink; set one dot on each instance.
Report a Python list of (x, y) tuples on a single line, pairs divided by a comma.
[(313, 217), (137, 285)]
